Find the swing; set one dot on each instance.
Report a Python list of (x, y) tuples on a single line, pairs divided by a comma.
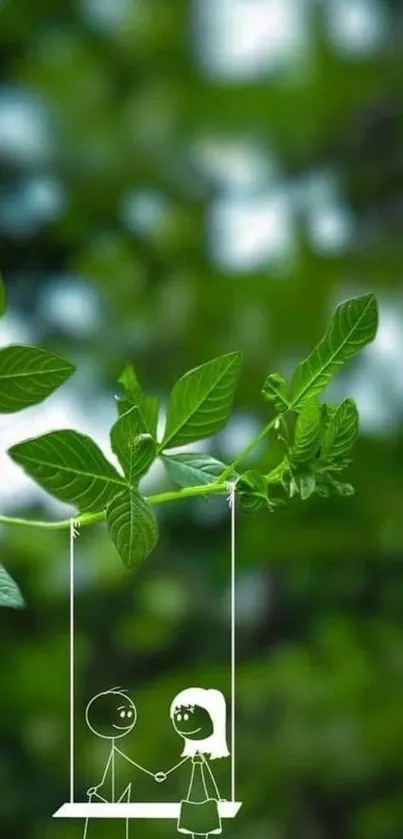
[(146, 810)]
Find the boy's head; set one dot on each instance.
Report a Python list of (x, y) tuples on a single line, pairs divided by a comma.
[(111, 714)]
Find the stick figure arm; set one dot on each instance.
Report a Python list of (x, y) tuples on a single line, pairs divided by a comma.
[(94, 789), (207, 765), (177, 765), (133, 763), (94, 794), (106, 770)]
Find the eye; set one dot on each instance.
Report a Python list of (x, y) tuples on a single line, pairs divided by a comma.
[(186, 717), (122, 714), (130, 713), (179, 717)]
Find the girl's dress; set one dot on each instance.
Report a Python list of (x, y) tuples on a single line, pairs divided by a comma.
[(199, 813)]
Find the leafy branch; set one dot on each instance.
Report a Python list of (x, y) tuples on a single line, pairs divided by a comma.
[(28, 375), (316, 440)]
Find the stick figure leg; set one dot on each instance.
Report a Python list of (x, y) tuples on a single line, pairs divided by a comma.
[(126, 796)]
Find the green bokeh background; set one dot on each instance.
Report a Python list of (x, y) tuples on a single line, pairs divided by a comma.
[(124, 146)]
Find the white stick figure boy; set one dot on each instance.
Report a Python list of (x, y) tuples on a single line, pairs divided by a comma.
[(112, 715)]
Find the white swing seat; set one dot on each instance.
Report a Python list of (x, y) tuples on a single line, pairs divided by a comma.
[(159, 810)]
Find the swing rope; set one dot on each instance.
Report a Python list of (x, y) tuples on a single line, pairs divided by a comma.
[(74, 532), (231, 501)]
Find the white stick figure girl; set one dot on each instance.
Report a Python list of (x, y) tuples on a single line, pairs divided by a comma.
[(199, 717)]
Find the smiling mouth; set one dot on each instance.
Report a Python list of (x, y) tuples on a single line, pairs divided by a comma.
[(195, 731), (121, 727)]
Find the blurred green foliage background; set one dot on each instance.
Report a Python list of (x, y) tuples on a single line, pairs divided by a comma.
[(180, 179)]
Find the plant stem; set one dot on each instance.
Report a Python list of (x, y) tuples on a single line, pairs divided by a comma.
[(190, 492), (45, 525), (218, 487), (248, 449), (86, 519)]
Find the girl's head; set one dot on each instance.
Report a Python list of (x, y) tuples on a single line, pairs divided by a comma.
[(199, 716)]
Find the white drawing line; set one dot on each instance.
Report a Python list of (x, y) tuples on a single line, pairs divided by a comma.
[(117, 706), (213, 780), (143, 810), (137, 765), (177, 765), (199, 717), (208, 707), (152, 810), (113, 773), (73, 535), (122, 708), (232, 505)]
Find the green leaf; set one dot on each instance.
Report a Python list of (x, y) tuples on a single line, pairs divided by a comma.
[(328, 411), (126, 428), (252, 490), (143, 453), (3, 297), (306, 485), (135, 450), (342, 431), (149, 410), (201, 401), (71, 467), (307, 432), (276, 475), (353, 326), (28, 375), (133, 396), (132, 527), (192, 469), (345, 490), (275, 391), (327, 486), (129, 381), (339, 465), (10, 594)]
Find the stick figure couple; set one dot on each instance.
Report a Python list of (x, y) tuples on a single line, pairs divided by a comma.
[(199, 717)]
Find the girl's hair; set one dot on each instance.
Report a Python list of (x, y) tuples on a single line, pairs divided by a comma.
[(214, 703)]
